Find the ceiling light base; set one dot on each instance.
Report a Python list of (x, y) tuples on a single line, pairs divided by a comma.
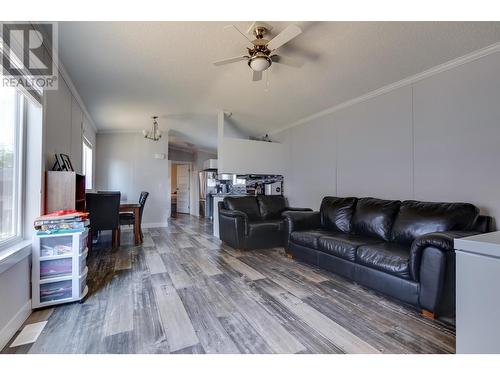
[(259, 62)]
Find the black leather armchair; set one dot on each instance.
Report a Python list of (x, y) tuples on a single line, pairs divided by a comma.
[(253, 222), (402, 249)]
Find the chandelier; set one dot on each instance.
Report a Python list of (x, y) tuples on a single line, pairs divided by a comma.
[(154, 134)]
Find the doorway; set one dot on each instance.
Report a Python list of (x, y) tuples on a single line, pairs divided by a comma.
[(180, 199)]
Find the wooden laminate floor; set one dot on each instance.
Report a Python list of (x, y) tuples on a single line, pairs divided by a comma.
[(182, 291)]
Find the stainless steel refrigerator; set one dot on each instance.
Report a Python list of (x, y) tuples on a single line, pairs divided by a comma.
[(208, 183)]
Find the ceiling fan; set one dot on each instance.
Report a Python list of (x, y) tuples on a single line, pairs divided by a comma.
[(261, 53)]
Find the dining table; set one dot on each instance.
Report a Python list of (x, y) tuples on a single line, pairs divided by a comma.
[(135, 208)]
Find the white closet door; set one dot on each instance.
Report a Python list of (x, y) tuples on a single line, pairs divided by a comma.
[(183, 189)]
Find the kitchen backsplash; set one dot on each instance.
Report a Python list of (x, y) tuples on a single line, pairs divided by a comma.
[(255, 182)]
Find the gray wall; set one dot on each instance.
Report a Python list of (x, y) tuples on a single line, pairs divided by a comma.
[(125, 162), (65, 124), (436, 139)]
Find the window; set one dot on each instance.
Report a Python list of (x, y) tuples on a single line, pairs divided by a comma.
[(87, 163), (11, 152)]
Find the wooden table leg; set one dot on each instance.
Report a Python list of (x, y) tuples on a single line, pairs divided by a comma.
[(137, 227)]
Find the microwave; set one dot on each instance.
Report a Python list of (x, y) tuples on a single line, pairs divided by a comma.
[(275, 188)]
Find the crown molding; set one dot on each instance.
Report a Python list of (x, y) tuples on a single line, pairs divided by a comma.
[(119, 131), (192, 150), (65, 75), (475, 55), (67, 79)]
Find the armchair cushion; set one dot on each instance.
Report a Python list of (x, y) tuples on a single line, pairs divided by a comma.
[(440, 240), (271, 206), (248, 205), (264, 227)]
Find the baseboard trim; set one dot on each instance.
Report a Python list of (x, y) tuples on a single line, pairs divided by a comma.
[(14, 324)]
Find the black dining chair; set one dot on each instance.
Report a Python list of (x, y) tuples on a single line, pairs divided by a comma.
[(128, 218), (104, 214), (108, 192)]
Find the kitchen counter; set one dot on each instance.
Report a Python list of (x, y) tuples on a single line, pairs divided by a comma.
[(228, 195)]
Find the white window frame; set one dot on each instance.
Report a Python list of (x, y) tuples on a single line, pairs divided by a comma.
[(88, 144), (19, 172)]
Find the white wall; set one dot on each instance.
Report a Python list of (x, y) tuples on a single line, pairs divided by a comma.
[(15, 296), (65, 124), (244, 156), (125, 162), (237, 154), (436, 139)]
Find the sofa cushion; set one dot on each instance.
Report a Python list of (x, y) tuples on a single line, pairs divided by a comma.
[(375, 217), (308, 238), (247, 205), (388, 257), (271, 206), (418, 218), (336, 213), (343, 245), (265, 227)]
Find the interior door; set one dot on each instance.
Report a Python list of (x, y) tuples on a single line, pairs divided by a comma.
[(183, 188)]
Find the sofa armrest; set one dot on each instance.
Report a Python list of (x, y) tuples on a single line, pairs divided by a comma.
[(297, 209), (444, 241), (233, 213), (432, 265), (300, 220), (233, 227)]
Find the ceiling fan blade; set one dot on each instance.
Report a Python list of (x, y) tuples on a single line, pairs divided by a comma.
[(285, 36), (230, 60), (239, 31), (257, 76), (279, 59)]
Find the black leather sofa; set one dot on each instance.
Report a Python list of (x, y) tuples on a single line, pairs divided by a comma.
[(253, 222), (401, 249)]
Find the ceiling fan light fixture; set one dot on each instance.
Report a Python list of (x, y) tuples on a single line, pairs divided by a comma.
[(259, 62)]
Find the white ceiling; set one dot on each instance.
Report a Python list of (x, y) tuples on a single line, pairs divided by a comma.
[(129, 71)]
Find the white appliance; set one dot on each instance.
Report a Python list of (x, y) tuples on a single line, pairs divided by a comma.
[(274, 188)]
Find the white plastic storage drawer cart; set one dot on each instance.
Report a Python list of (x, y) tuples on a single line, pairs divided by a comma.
[(59, 271)]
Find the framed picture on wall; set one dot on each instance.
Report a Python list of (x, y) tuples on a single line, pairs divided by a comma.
[(66, 162)]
